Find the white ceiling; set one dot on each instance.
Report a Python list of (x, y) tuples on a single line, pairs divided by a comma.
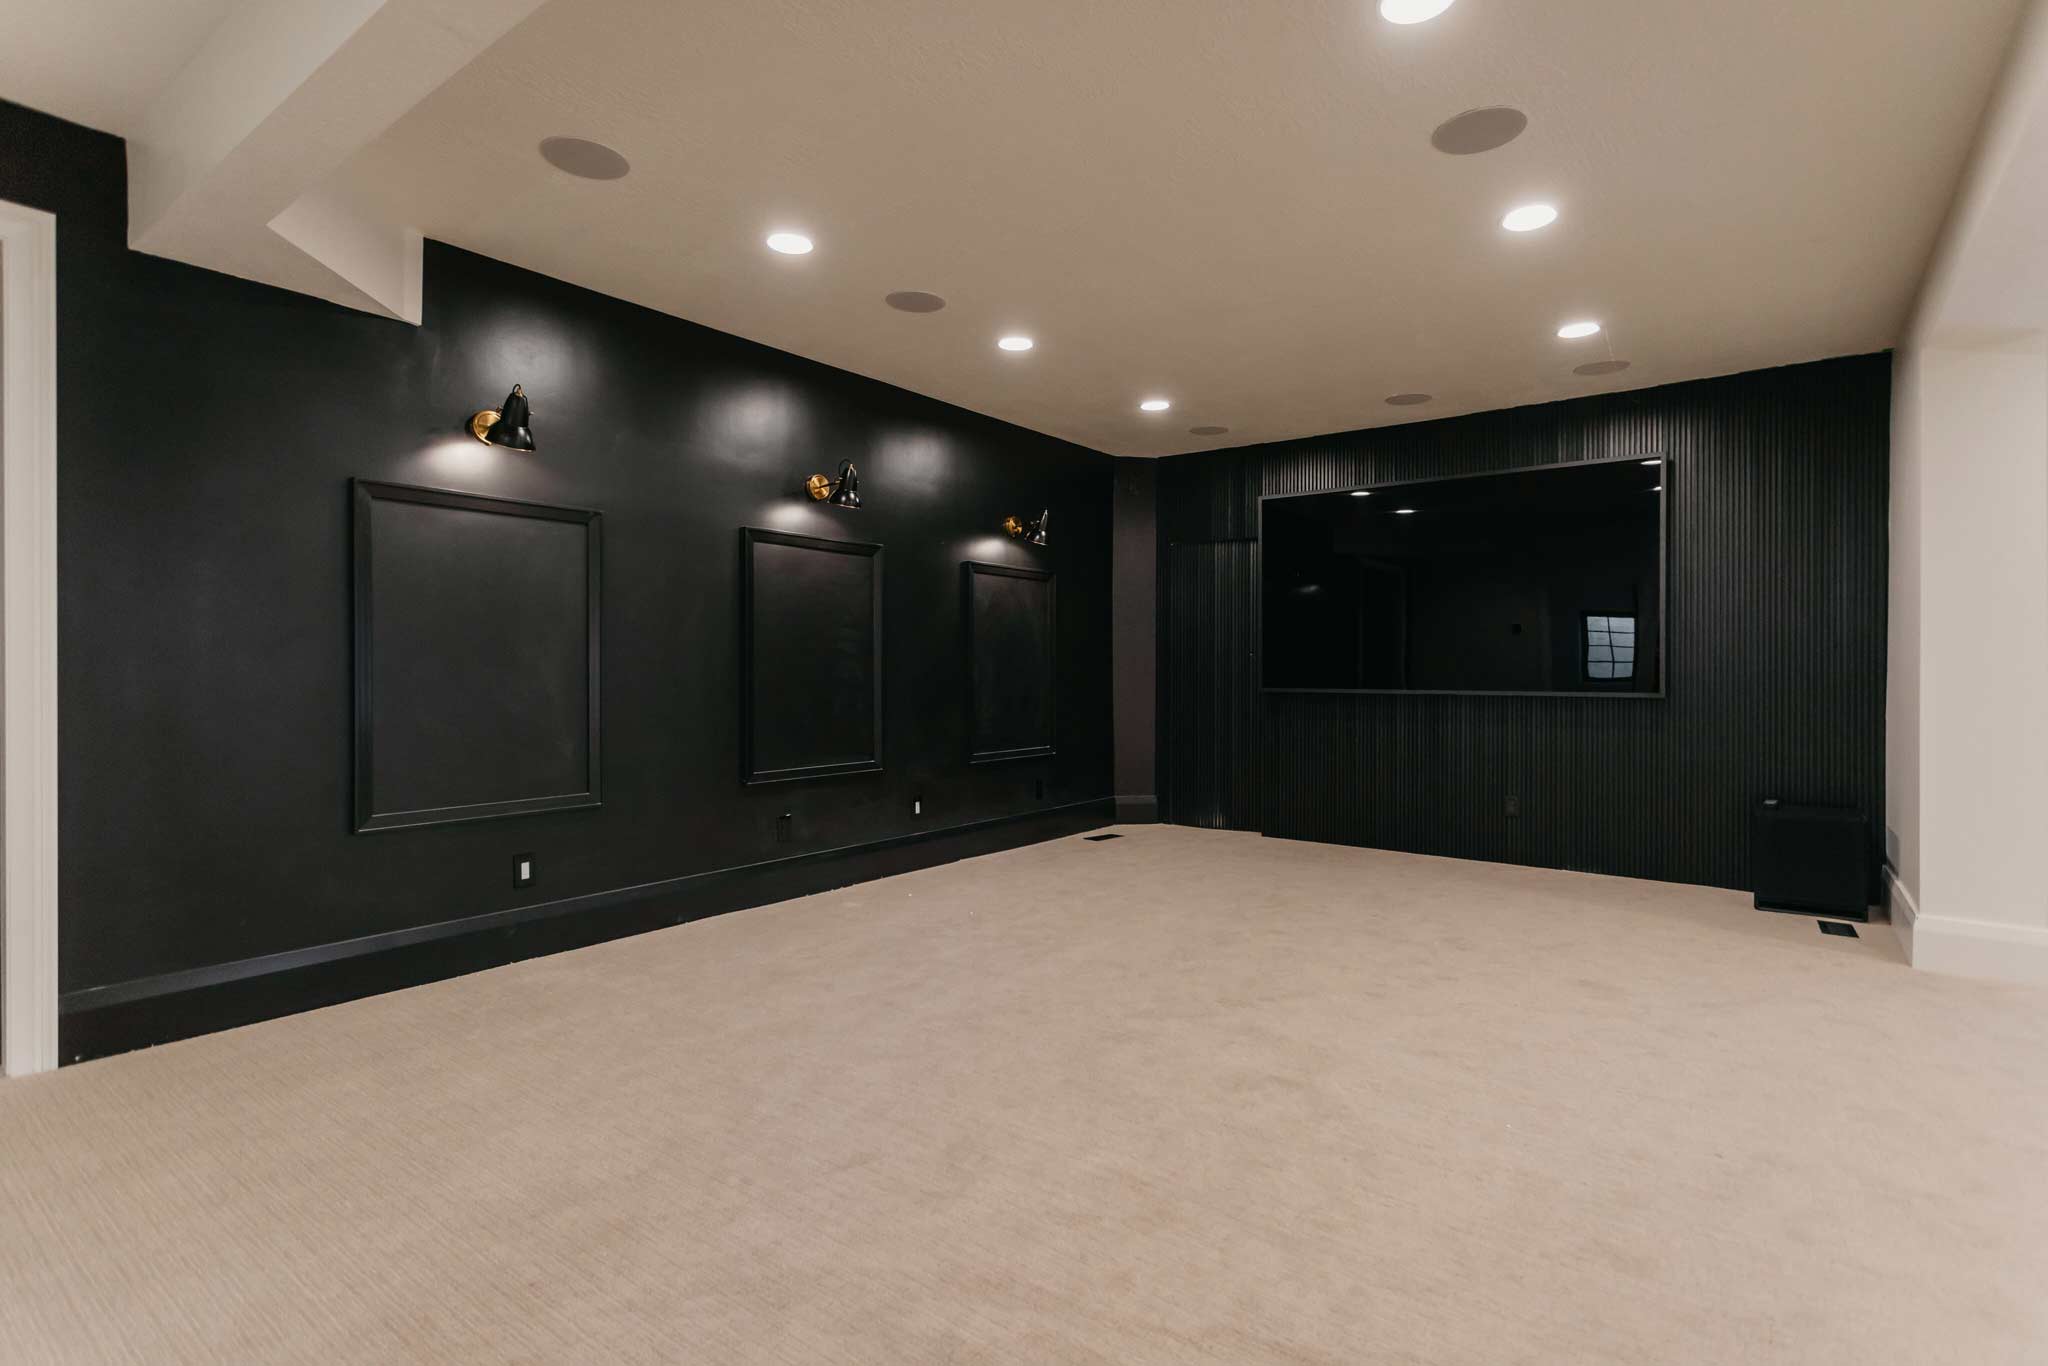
[(1233, 205), (99, 62)]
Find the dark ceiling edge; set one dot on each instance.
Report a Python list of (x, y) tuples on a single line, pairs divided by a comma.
[(917, 396), (1622, 393)]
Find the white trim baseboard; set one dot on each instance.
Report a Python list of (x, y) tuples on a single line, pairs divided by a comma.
[(1964, 947), (28, 639), (1981, 948), (1900, 906)]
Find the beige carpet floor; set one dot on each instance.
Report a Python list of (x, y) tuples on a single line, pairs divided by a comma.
[(1179, 1097)]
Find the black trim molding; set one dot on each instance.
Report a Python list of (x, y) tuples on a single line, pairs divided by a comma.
[(99, 1021), (365, 494), (970, 569), (752, 714)]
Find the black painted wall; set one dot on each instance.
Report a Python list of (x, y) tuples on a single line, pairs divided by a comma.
[(1775, 670), (208, 430), (1136, 609)]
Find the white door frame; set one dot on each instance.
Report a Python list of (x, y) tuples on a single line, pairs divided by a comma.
[(28, 639)]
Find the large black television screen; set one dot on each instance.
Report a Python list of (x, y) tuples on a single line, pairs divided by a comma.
[(1544, 580)]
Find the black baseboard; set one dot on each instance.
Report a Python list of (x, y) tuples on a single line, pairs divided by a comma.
[(1137, 810), (100, 1021)]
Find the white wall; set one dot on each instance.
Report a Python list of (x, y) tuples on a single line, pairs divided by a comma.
[(1968, 705), (1966, 805), (28, 644), (1902, 685)]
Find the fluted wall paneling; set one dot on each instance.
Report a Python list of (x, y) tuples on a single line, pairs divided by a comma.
[(1775, 626)]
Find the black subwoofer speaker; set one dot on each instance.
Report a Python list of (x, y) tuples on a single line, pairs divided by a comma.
[(1812, 860)]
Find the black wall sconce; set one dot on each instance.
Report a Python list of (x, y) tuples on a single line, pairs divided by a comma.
[(843, 492), (1032, 531), (506, 426)]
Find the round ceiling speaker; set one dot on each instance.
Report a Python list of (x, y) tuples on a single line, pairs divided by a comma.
[(1600, 367), (1208, 431), (1479, 130), (914, 301), (584, 158), (1408, 400)]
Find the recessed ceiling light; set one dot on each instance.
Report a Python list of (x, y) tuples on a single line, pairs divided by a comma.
[(1015, 343), (1155, 405), (1404, 512), (1407, 400), (1361, 493), (1479, 130), (1412, 11), (1529, 217), (1600, 367), (1574, 331), (584, 158), (789, 243), (1208, 431), (914, 301)]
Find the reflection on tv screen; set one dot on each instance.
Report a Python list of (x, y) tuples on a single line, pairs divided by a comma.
[(1546, 580)]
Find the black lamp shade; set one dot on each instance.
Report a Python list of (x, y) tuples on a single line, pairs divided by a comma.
[(1035, 534), (511, 429), (846, 493)]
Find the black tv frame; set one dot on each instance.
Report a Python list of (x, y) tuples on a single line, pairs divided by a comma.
[(1614, 694)]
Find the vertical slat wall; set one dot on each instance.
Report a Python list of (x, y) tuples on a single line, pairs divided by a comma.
[(1775, 635), (1213, 704)]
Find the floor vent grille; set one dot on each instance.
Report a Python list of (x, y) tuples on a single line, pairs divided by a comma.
[(1097, 839), (1836, 927)]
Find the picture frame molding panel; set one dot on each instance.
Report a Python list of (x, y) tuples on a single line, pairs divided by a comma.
[(751, 774), (364, 495), (970, 569)]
